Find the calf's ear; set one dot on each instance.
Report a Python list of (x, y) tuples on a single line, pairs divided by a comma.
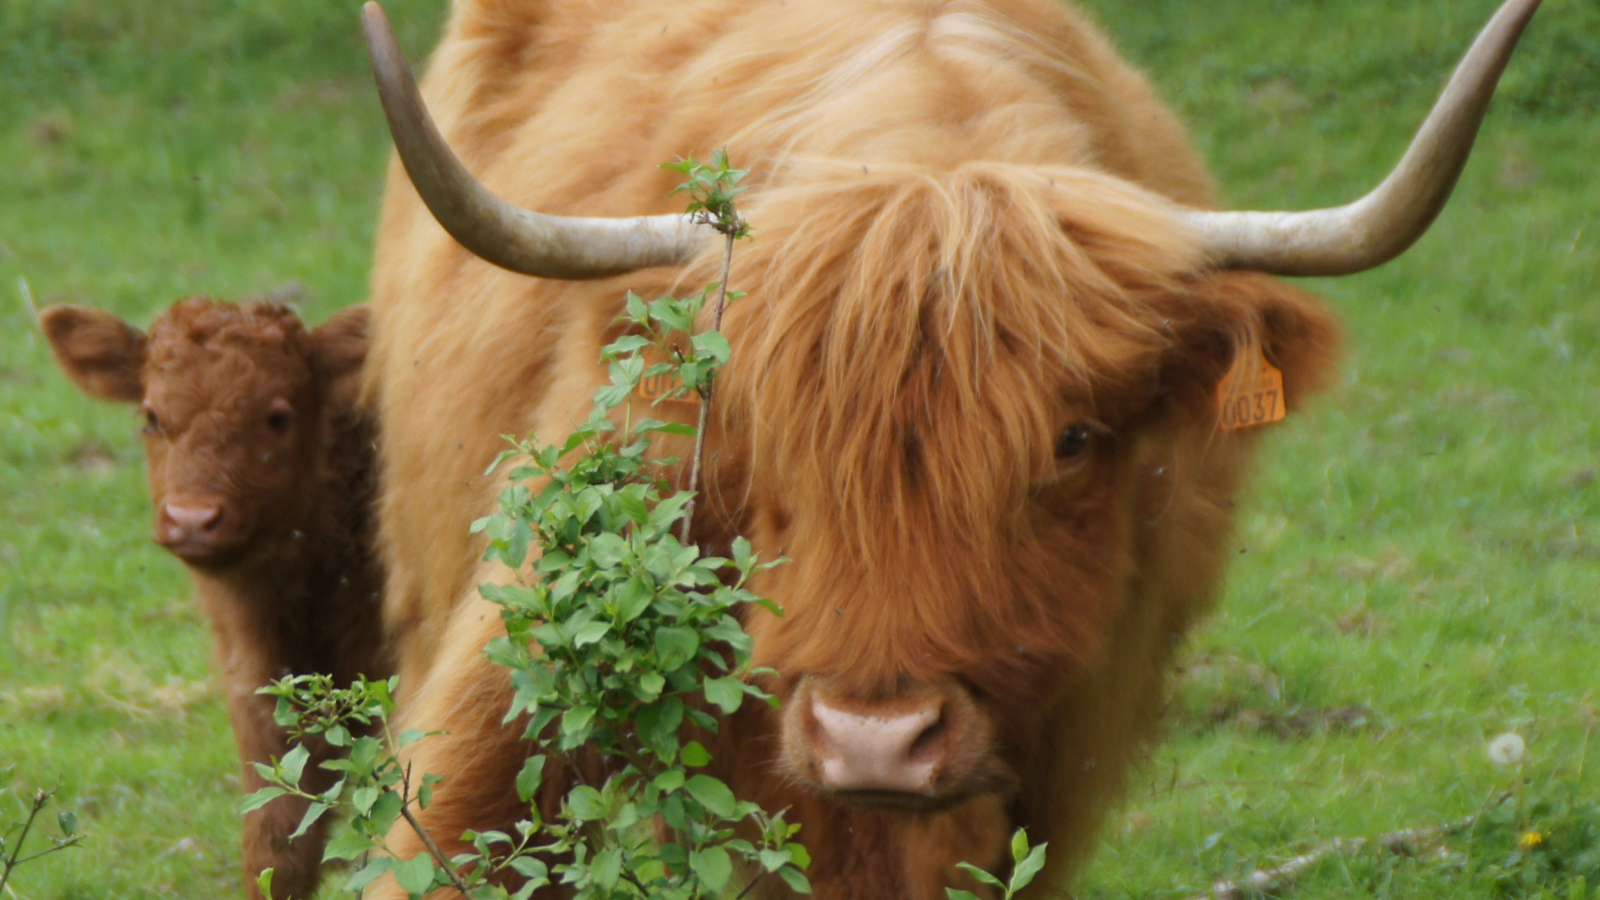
[(103, 355), (340, 347)]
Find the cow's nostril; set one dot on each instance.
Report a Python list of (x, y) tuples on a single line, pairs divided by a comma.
[(928, 741)]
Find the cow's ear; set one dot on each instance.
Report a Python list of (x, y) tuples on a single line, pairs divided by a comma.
[(340, 345), (103, 355), (1242, 318)]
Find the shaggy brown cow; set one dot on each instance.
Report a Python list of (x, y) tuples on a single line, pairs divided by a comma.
[(973, 391), (261, 473)]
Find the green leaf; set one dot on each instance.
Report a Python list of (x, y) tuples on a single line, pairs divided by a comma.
[(676, 646), (657, 725), (669, 781), (294, 763), (711, 344), (531, 868), (255, 801), (264, 882), (348, 845), (773, 860), (798, 882), (712, 794), (982, 876), (633, 598), (368, 873), (1027, 869), (384, 812), (590, 633), (649, 686), (415, 875), (586, 803), (954, 894), (628, 343), (67, 822), (1019, 844), (606, 867), (695, 755), (577, 720), (530, 777), (713, 866), (313, 813), (725, 693)]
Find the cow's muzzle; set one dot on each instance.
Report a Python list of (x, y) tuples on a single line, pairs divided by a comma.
[(924, 748)]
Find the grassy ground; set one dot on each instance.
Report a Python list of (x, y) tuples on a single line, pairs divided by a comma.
[(1419, 564)]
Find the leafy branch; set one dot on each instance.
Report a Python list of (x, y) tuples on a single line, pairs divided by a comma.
[(620, 635)]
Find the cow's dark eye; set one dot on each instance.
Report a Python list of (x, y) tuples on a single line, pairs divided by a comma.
[(1073, 442), (152, 422), (280, 418)]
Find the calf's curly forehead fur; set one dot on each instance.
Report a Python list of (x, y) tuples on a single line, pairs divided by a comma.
[(199, 323)]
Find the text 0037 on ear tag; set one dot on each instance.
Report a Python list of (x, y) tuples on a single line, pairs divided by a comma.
[(1250, 394)]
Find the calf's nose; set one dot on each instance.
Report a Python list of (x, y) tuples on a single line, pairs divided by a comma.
[(871, 749), (194, 524)]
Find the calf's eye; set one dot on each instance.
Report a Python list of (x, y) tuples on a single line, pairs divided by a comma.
[(152, 422), (280, 417), (1073, 442)]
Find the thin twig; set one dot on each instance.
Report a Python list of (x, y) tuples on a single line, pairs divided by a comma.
[(1261, 881), (705, 395), (39, 800), (427, 841)]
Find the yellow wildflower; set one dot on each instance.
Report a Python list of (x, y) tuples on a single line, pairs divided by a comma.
[(1530, 840)]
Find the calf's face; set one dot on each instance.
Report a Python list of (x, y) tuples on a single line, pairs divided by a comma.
[(232, 402)]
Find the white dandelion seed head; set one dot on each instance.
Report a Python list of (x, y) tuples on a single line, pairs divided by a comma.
[(1507, 749)]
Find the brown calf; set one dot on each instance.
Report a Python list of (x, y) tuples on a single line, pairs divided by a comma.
[(262, 475)]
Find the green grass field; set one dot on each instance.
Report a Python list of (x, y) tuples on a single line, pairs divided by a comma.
[(1419, 560)]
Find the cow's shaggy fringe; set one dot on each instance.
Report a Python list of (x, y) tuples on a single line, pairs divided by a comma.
[(962, 246)]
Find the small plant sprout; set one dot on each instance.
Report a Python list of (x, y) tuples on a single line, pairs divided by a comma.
[(14, 835), (1026, 862), (1507, 749)]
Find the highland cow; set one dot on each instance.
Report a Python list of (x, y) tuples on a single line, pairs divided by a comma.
[(261, 471), (974, 388)]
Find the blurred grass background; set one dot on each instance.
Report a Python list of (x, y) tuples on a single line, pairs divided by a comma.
[(1419, 561)]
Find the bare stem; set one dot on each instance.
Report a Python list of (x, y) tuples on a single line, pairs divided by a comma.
[(427, 841), (6, 866), (705, 396)]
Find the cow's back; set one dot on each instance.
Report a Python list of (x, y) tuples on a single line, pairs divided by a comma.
[(569, 107)]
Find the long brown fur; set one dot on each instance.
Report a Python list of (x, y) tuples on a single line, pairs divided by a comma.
[(301, 595), (964, 244)]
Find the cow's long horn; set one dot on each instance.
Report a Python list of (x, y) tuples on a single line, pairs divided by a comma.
[(527, 242), (1380, 226)]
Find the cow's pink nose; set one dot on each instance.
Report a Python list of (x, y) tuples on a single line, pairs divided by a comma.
[(871, 750), (185, 524)]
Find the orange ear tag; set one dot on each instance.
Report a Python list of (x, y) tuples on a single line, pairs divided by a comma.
[(1250, 395), (653, 387)]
